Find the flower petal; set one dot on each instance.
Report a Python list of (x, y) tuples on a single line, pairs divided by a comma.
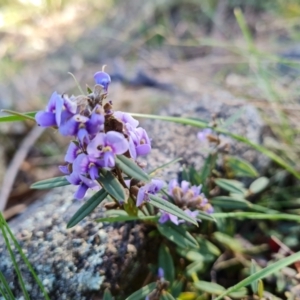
[(45, 119), (117, 142)]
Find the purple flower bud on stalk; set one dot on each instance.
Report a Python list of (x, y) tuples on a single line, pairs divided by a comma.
[(103, 79), (161, 273)]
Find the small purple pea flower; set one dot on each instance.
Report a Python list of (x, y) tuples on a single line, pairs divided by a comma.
[(150, 188), (106, 146)]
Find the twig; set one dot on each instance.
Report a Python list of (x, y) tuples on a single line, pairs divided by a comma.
[(15, 164)]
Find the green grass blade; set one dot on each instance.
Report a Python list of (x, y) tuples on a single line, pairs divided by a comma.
[(23, 256), (19, 275), (7, 290), (16, 116), (174, 161), (200, 124), (269, 270), (257, 216)]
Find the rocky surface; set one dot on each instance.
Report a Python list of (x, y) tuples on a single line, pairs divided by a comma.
[(79, 263)]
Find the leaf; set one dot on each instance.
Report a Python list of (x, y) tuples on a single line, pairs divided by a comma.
[(241, 167), (165, 261), (166, 296), (16, 116), (207, 247), (209, 165), (200, 124), (269, 270), (205, 216), (191, 255), (177, 235), (228, 241), (107, 295), (123, 218), (111, 184), (254, 284), (129, 167), (176, 288), (195, 267), (142, 293), (230, 202), (50, 183), (257, 216), (214, 288), (174, 161), (171, 208), (209, 287), (259, 185), (87, 208), (230, 185)]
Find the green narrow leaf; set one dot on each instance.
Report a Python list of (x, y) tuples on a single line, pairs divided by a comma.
[(142, 293), (230, 185), (111, 184), (113, 219), (259, 185), (165, 261), (194, 267), (107, 295), (12, 256), (200, 124), (230, 202), (6, 287), (50, 183), (166, 296), (177, 235), (254, 284), (257, 216), (176, 288), (16, 116), (209, 165), (129, 167), (171, 208), (174, 161), (229, 242), (214, 288), (269, 270), (87, 208), (241, 167)]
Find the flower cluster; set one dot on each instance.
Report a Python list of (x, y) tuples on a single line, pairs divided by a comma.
[(99, 133), (189, 198)]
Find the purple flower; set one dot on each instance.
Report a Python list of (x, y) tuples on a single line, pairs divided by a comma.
[(58, 108), (165, 217), (83, 182), (85, 164), (72, 152), (103, 79), (150, 188), (202, 135), (126, 118), (106, 146)]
